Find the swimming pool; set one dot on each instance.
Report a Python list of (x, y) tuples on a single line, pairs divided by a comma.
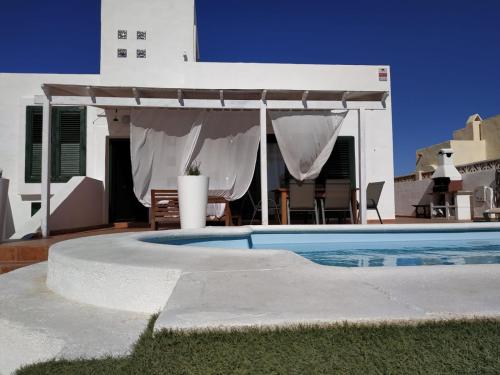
[(367, 248)]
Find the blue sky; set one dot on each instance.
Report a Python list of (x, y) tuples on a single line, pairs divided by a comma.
[(444, 54)]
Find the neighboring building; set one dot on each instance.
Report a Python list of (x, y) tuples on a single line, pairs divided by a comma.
[(477, 157), (153, 44), (477, 142)]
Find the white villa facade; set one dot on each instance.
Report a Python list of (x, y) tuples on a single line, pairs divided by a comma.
[(149, 59)]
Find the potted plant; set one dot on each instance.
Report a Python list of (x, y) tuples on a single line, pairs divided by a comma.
[(193, 197)]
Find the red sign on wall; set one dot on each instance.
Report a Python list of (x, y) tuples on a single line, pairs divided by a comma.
[(382, 74)]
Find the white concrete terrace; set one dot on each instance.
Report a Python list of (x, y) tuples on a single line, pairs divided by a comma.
[(82, 311)]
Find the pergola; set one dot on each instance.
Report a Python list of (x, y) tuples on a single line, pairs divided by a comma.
[(192, 98)]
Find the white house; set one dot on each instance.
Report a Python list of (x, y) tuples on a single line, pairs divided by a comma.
[(149, 59)]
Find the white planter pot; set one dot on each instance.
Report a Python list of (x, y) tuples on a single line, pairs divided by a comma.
[(193, 198)]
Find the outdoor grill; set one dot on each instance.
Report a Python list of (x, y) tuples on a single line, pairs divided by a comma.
[(446, 177), (441, 184), (447, 184)]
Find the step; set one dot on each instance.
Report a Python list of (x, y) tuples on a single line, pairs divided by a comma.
[(11, 266), (21, 253)]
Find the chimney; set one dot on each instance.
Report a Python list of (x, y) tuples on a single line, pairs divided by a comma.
[(446, 166)]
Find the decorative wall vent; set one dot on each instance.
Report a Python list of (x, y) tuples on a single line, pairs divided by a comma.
[(141, 53), (122, 52), (122, 34), (141, 35)]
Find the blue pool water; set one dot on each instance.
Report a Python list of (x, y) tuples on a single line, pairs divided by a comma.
[(415, 248), (395, 253)]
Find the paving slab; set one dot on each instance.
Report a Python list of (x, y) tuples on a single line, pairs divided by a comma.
[(440, 291), (36, 324), (320, 294), (310, 294)]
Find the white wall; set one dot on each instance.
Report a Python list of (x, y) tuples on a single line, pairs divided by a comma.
[(16, 92), (417, 192), (379, 157), (82, 208), (411, 192), (170, 35)]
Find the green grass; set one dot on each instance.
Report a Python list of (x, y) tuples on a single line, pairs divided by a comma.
[(455, 347)]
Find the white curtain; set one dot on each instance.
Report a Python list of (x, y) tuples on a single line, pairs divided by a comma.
[(306, 139), (164, 142), (227, 150)]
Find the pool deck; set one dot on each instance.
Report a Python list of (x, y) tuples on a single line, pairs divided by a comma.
[(286, 296), (15, 254), (92, 282), (37, 324)]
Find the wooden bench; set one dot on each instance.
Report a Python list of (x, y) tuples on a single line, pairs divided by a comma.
[(165, 210)]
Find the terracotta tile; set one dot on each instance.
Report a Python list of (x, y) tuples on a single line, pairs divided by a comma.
[(7, 254), (11, 266), (32, 253)]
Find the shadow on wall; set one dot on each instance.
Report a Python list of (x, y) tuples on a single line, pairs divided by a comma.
[(10, 229), (409, 193), (427, 197), (80, 207), (78, 204)]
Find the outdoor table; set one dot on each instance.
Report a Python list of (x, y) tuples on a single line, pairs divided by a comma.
[(281, 194)]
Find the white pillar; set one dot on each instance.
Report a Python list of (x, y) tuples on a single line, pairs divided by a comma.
[(362, 164), (263, 164), (46, 172)]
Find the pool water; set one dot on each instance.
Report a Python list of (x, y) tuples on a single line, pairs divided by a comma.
[(382, 248), (395, 253)]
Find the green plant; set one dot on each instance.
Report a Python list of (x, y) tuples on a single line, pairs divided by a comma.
[(193, 169)]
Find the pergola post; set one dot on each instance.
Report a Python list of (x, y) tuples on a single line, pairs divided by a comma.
[(46, 172), (362, 165), (263, 165)]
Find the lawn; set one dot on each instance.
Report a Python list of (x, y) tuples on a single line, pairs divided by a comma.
[(455, 347)]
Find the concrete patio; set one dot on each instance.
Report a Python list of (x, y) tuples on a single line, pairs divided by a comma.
[(196, 287)]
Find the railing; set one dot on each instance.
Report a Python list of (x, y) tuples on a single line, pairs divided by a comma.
[(485, 165)]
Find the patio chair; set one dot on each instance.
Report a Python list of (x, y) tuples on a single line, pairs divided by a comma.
[(337, 198), (373, 192), (165, 210), (272, 205), (302, 198)]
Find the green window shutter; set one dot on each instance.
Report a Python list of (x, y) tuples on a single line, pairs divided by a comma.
[(33, 152), (69, 143)]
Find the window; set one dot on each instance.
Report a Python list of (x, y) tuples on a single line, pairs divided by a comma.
[(122, 34), (341, 164), (33, 151), (141, 53), (35, 207), (68, 143), (141, 35), (122, 52)]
